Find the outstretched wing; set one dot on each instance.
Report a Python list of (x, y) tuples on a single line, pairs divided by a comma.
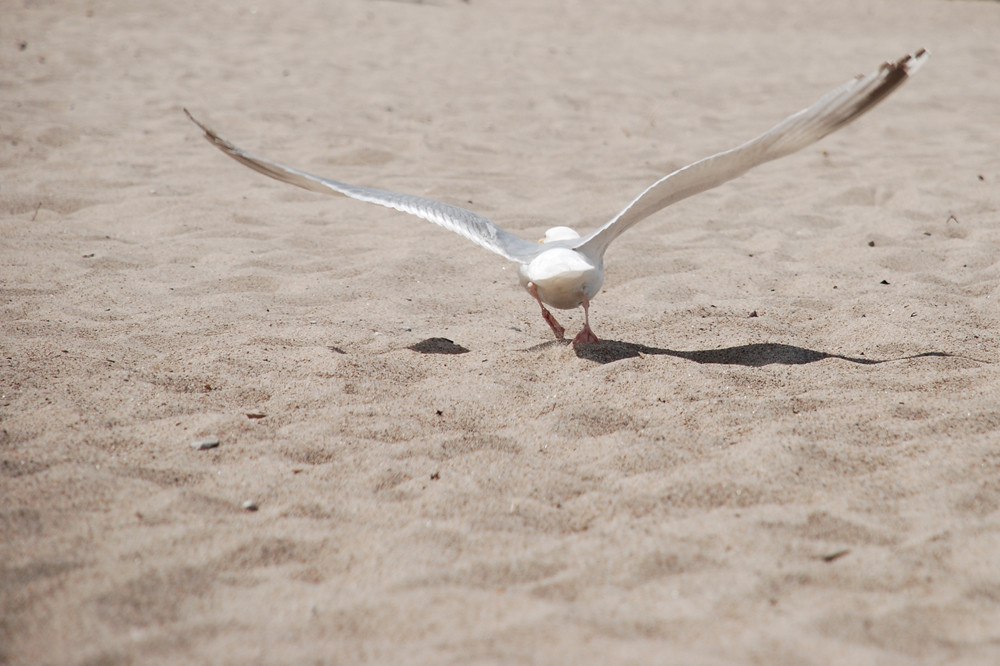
[(834, 110), (464, 222)]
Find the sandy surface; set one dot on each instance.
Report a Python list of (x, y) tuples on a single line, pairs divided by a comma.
[(817, 484)]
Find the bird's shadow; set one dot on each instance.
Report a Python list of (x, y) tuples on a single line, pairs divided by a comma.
[(752, 355)]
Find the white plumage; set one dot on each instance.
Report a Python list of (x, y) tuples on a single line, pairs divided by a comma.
[(565, 271)]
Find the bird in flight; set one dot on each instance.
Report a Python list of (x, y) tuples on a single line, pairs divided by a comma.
[(565, 270)]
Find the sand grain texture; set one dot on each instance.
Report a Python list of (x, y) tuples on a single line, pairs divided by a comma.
[(786, 453)]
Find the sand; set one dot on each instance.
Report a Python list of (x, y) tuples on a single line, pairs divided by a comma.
[(786, 451)]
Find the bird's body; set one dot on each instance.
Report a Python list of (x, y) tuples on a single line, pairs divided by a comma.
[(566, 271), (564, 277)]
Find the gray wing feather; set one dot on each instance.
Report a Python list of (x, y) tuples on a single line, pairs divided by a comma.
[(464, 222), (831, 112)]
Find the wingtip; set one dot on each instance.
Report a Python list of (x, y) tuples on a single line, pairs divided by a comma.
[(197, 122), (211, 135), (910, 63), (917, 60)]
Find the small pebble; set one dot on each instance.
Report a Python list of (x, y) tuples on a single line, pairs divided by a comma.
[(835, 555), (250, 505), (203, 444)]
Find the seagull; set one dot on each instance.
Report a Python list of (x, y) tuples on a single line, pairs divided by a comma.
[(565, 270)]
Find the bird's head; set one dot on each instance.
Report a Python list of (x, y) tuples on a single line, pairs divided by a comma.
[(558, 234)]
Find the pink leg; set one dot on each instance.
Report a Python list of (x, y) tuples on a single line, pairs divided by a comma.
[(586, 336), (546, 315)]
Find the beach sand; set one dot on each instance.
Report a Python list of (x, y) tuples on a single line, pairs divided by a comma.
[(787, 451)]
